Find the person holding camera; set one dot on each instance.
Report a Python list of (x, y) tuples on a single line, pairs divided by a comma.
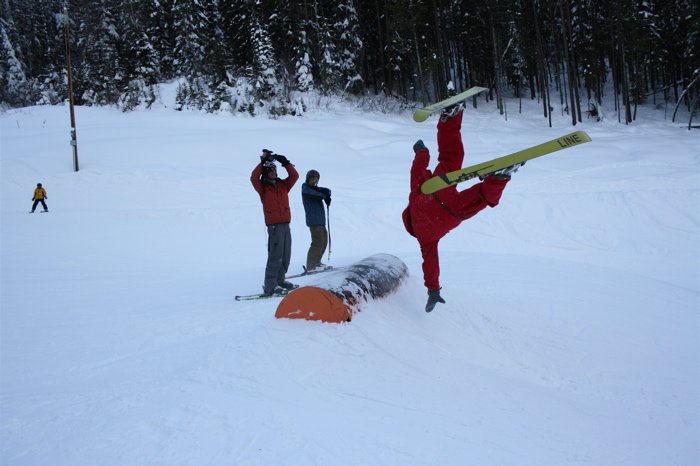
[(313, 197), (274, 195)]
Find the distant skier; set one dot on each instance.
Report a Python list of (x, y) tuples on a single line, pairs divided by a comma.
[(274, 194), (313, 198), (429, 217), (39, 196)]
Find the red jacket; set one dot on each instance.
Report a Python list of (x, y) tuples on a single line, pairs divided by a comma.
[(274, 197), (429, 217)]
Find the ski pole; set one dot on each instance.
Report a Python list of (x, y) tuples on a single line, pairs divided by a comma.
[(328, 215)]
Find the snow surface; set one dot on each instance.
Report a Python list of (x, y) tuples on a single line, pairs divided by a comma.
[(570, 333)]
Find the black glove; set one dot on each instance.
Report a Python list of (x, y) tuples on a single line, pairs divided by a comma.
[(281, 159), (327, 200), (32, 199), (418, 146), (325, 191)]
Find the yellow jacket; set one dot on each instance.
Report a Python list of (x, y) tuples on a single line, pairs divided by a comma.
[(39, 193)]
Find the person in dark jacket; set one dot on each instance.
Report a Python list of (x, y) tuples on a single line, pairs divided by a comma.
[(39, 196), (429, 217), (274, 195), (313, 198)]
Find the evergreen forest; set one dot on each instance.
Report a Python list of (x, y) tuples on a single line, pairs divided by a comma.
[(268, 56)]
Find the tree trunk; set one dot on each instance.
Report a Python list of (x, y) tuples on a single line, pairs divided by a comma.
[(496, 58), (440, 62), (543, 83), (568, 60)]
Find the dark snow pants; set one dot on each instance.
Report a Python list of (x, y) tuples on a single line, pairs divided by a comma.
[(319, 242), (43, 204), (279, 253)]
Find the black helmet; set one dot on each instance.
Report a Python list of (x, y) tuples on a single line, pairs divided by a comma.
[(312, 174)]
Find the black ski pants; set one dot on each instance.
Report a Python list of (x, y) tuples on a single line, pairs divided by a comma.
[(37, 202), (279, 253)]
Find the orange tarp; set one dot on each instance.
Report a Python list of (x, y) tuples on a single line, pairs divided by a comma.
[(313, 303)]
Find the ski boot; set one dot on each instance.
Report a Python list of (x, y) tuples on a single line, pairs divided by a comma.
[(418, 146), (320, 267), (452, 110), (277, 291), (433, 298), (288, 286)]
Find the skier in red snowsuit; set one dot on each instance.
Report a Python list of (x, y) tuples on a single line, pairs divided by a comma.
[(429, 217)]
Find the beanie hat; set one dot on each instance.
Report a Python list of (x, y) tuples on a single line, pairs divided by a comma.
[(311, 174)]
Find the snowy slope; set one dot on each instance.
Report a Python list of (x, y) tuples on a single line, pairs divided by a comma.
[(571, 333)]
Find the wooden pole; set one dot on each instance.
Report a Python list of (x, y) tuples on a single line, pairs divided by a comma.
[(73, 134)]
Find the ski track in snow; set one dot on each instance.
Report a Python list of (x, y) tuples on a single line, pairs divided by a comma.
[(570, 332)]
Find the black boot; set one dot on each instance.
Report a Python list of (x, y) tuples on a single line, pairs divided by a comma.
[(418, 146), (452, 110), (433, 298)]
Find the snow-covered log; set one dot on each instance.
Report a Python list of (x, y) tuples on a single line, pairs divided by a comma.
[(335, 295)]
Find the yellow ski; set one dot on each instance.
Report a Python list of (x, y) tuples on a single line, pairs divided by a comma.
[(422, 114), (439, 182)]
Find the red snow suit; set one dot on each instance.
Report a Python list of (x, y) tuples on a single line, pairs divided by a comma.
[(429, 217)]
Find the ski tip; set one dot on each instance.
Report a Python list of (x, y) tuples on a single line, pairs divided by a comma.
[(427, 188), (420, 115), (575, 138), (584, 136)]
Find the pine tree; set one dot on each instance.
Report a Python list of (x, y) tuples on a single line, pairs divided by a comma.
[(264, 73), (567, 24), (192, 29), (159, 30), (327, 48), (303, 36), (515, 63), (33, 32), (254, 53), (139, 60), (217, 58), (14, 87), (96, 57), (345, 28), (399, 50)]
